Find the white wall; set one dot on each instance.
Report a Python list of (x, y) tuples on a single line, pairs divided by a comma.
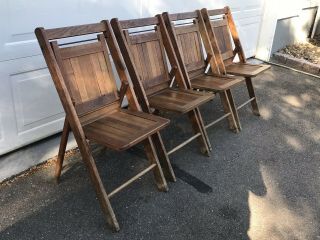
[(29, 107), (273, 11)]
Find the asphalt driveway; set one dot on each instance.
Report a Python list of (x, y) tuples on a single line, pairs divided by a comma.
[(263, 183)]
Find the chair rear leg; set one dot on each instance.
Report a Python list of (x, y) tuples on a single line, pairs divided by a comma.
[(163, 157), (197, 128), (62, 149), (153, 158), (229, 107), (254, 104)]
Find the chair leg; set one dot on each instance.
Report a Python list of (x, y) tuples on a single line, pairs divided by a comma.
[(254, 104), (203, 128), (62, 149), (153, 158), (197, 128), (227, 107), (234, 109), (98, 185), (163, 157)]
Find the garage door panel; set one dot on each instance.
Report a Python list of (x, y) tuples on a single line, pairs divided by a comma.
[(20, 45), (29, 106), (247, 13), (35, 99), (247, 31), (21, 17)]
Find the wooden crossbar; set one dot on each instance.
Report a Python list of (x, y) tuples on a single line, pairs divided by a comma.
[(184, 143), (217, 120), (131, 180), (245, 103)]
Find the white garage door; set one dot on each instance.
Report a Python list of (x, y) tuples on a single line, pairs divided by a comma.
[(29, 107)]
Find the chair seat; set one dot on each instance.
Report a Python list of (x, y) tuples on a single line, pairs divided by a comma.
[(123, 129), (178, 100), (218, 83), (246, 69)]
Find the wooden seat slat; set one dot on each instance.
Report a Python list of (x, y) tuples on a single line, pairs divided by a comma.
[(178, 101), (213, 82), (113, 134), (246, 70)]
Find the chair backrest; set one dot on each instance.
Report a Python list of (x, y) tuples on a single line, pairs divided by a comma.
[(189, 33), (88, 74), (150, 59), (144, 45), (220, 24), (85, 66)]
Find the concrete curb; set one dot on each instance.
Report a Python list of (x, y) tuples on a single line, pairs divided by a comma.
[(297, 63)]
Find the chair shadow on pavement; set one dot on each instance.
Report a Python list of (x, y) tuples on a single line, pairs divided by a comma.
[(209, 200)]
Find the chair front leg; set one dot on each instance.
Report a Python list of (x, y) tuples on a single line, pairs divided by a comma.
[(234, 109), (163, 157), (229, 107), (197, 128), (153, 158), (252, 95)]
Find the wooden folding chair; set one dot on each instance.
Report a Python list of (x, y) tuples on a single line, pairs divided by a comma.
[(223, 35), (144, 46), (188, 36), (83, 76)]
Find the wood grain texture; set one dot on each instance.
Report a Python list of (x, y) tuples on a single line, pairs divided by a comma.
[(216, 83), (123, 129), (223, 33), (190, 42), (85, 83), (181, 101), (76, 127), (88, 74), (246, 69), (73, 31), (145, 56)]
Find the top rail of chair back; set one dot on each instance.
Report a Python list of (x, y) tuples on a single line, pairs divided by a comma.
[(220, 11), (73, 31), (181, 16), (139, 22)]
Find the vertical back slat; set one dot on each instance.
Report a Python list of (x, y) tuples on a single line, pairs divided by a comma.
[(190, 46), (148, 55), (88, 74)]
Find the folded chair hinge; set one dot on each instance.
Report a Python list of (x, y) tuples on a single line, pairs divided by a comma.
[(209, 57), (123, 90), (172, 74)]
